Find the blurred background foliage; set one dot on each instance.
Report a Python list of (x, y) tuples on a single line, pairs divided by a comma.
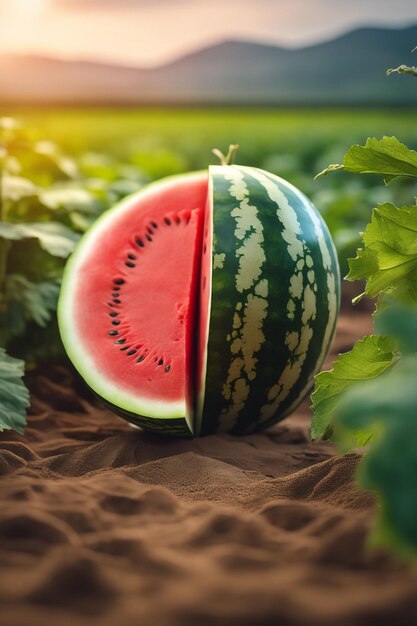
[(60, 169)]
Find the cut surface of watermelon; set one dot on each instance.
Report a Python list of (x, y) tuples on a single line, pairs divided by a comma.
[(127, 309)]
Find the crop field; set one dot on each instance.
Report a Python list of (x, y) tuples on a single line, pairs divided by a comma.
[(124, 144), (305, 137)]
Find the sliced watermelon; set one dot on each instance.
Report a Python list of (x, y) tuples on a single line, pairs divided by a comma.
[(204, 303), (127, 309)]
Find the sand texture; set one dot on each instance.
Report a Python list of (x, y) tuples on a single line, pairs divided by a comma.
[(104, 525)]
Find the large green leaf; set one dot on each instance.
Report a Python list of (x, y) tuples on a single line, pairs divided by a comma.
[(14, 397), (389, 257), (388, 406), (367, 359), (37, 300), (54, 238), (386, 156)]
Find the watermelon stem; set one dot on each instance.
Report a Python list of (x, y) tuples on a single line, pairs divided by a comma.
[(229, 157)]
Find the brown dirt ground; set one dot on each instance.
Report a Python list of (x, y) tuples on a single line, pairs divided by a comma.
[(104, 525)]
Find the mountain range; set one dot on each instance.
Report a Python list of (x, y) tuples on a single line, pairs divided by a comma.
[(348, 70)]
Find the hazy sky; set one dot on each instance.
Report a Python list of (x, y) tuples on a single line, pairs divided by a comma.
[(148, 32)]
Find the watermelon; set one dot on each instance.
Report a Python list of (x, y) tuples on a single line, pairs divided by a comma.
[(204, 303)]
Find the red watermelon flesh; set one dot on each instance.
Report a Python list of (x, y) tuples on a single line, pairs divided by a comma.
[(134, 303)]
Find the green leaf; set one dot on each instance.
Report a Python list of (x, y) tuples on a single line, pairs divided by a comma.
[(42, 162), (388, 405), (15, 188), (14, 397), (81, 221), (49, 151), (385, 156), (389, 259), (55, 238), (37, 300), (367, 359)]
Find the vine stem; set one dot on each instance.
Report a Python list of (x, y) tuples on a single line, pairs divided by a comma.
[(229, 157)]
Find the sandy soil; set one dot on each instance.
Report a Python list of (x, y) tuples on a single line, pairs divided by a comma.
[(102, 524)]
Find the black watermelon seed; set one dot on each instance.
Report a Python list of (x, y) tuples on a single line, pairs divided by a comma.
[(154, 224), (131, 256), (149, 238), (129, 264), (161, 361), (140, 242), (117, 301), (167, 221), (150, 230), (140, 359), (113, 314), (124, 348), (118, 281), (131, 352), (112, 333), (119, 341), (116, 322), (167, 368), (116, 288), (115, 295)]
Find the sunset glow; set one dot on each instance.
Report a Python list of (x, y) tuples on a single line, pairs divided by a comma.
[(148, 33), (24, 8)]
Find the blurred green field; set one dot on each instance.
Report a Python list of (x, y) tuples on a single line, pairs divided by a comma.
[(116, 152), (296, 144), (127, 147), (309, 136)]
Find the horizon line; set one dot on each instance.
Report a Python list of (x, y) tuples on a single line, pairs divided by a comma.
[(195, 50)]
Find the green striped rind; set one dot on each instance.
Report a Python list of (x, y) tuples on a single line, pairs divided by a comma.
[(275, 296), (174, 427), (320, 324)]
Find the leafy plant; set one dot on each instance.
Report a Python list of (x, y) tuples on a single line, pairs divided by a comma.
[(26, 241), (46, 201), (14, 397), (369, 398), (387, 407), (36, 237)]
